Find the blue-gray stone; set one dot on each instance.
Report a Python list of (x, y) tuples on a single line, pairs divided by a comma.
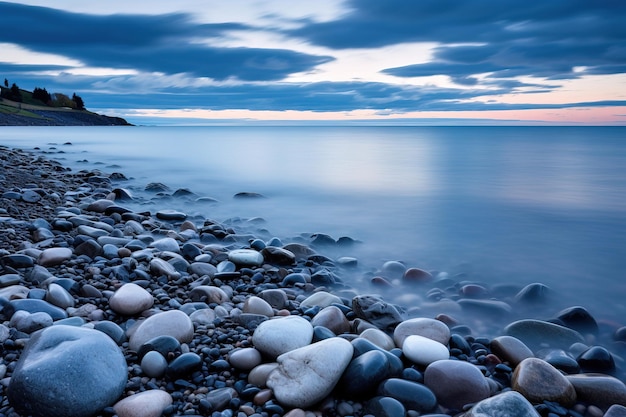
[(384, 407), (183, 365), (35, 306), (412, 395), (363, 375), (67, 371)]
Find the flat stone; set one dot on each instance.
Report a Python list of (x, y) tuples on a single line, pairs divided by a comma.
[(165, 244), (510, 349), (91, 231), (67, 371), (145, 404), (537, 334), (280, 335), (130, 299), (245, 257), (54, 256), (598, 389), (430, 328), (170, 323), (278, 256), (424, 351), (456, 383), (320, 299), (170, 215), (539, 381), (33, 306), (506, 404), (307, 375)]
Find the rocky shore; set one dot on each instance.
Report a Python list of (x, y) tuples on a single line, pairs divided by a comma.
[(110, 310), (60, 118)]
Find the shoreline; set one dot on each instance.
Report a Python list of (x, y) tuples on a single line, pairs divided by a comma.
[(213, 273)]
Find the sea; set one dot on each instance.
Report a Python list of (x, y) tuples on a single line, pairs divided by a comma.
[(490, 205)]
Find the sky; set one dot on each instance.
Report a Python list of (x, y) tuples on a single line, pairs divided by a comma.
[(326, 61)]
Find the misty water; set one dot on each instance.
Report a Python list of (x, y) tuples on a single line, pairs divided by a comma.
[(486, 204)]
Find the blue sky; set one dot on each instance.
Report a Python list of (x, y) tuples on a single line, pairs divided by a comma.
[(557, 61)]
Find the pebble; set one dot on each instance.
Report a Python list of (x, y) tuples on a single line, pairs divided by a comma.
[(506, 404), (245, 257), (257, 305), (280, 335), (171, 323), (59, 296), (537, 334), (376, 311), (306, 375), (245, 359), (598, 389), (379, 338), (54, 256), (60, 357), (333, 319), (364, 373), (424, 351), (144, 404), (616, 410), (320, 299), (539, 381), (130, 299), (510, 349), (430, 328), (384, 407), (456, 383), (153, 364), (412, 395)]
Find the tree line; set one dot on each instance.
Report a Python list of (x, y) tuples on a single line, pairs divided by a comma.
[(14, 93)]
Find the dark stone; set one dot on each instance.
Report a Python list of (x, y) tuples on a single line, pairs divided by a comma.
[(162, 344), (248, 195), (67, 371), (184, 365), (320, 239), (361, 346), (171, 215), (190, 251), (321, 333), (278, 256), (322, 278), (18, 261), (579, 319), (90, 248), (596, 359), (36, 306), (363, 375), (115, 209), (112, 330), (412, 395), (294, 278), (156, 187), (562, 361), (9, 279), (534, 294), (376, 311), (384, 407), (122, 194)]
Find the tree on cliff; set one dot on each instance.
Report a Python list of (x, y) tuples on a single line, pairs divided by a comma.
[(6, 83), (15, 94), (42, 95), (79, 104)]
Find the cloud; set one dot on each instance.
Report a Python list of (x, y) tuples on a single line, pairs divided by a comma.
[(507, 38), (169, 44)]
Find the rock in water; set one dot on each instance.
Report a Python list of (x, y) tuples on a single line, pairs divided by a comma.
[(507, 404), (67, 371), (376, 311), (539, 381), (306, 375)]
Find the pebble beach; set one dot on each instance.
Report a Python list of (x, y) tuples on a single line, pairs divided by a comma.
[(110, 310)]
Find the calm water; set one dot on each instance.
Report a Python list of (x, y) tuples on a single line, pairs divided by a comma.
[(499, 204)]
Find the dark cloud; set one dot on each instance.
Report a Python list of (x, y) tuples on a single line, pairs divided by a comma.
[(510, 38), (152, 43)]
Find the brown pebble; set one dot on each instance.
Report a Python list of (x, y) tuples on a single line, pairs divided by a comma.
[(447, 320), (416, 275), (123, 252), (263, 396)]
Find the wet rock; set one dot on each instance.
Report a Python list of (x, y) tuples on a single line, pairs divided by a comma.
[(306, 375), (598, 389), (596, 359), (510, 349), (416, 276), (562, 361), (54, 256), (278, 256), (144, 404), (539, 381), (579, 319), (183, 365), (506, 404), (246, 257), (412, 395), (67, 371), (257, 305), (130, 299), (424, 351), (332, 318), (456, 383), (58, 296), (430, 328), (169, 323), (379, 338), (171, 215), (281, 335), (364, 373), (320, 299), (538, 334), (376, 311)]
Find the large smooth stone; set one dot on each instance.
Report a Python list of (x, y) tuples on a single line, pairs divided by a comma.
[(257, 305), (364, 373), (130, 299), (159, 266), (579, 319), (54, 256), (539, 381), (430, 328), (506, 404), (376, 311), (384, 407), (616, 410), (59, 296), (510, 349), (320, 299), (245, 359), (245, 257), (145, 404), (67, 371), (537, 334), (166, 244), (379, 338), (277, 336), (412, 395), (333, 319), (306, 375), (169, 323), (598, 389), (424, 351), (456, 383)]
